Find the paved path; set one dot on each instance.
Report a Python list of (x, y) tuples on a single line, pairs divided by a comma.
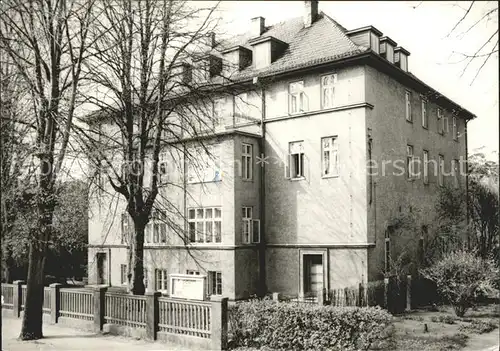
[(61, 338)]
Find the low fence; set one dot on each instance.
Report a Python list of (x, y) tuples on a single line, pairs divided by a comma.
[(125, 310), (193, 324), (8, 296), (47, 301), (393, 293), (77, 304), (181, 317)]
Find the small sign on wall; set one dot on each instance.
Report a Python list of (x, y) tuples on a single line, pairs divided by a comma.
[(187, 286)]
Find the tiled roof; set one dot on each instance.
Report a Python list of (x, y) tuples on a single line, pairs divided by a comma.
[(325, 40)]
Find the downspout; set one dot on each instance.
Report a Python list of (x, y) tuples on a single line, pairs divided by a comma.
[(262, 288), (467, 184)]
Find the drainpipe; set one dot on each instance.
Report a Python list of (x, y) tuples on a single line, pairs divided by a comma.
[(467, 183), (262, 288)]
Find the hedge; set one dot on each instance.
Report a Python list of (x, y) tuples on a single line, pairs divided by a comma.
[(292, 326)]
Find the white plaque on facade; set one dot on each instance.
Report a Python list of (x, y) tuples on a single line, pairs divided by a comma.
[(187, 286)]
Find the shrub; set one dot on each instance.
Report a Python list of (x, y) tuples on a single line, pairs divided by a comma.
[(478, 326), (460, 276), (444, 319), (280, 325)]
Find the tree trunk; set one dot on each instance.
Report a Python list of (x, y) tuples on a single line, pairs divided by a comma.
[(33, 307), (137, 258), (32, 319)]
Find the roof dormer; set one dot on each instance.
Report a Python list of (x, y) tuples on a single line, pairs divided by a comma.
[(401, 58), (368, 36), (181, 73), (387, 46), (266, 50), (206, 67), (236, 59)]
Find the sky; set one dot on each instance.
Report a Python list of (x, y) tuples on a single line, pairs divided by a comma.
[(423, 29)]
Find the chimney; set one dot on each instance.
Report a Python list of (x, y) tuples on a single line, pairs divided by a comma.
[(310, 12), (258, 26), (210, 40)]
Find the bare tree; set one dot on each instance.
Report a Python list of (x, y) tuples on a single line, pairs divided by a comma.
[(151, 79), (46, 42), (485, 49)]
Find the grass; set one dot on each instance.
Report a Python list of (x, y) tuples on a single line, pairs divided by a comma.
[(442, 330)]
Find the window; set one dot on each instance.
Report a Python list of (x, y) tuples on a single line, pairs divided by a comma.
[(162, 168), (145, 278), (424, 114), (421, 243), (161, 279), (297, 98), (440, 119), (327, 90), (123, 274), (219, 112), (247, 161), (192, 272), (387, 259), (441, 170), (241, 105), (455, 165), (408, 106), (455, 130), (215, 283), (426, 167), (204, 164), (374, 42), (330, 154), (127, 227), (409, 162), (205, 225), (156, 227), (246, 224), (296, 159)]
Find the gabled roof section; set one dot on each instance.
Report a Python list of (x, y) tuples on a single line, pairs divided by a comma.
[(325, 40)]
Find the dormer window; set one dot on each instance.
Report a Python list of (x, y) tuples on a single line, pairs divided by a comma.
[(266, 50), (374, 43), (401, 58), (387, 46), (366, 36), (236, 59)]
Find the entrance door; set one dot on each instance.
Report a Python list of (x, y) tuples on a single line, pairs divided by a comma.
[(313, 274), (101, 268)]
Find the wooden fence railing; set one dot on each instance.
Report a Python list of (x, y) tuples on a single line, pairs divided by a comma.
[(182, 317), (126, 310), (23, 296), (8, 296), (77, 304), (188, 322), (47, 301)]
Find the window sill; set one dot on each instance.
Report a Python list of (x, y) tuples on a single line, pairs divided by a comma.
[(409, 120), (200, 243), (425, 127), (297, 179), (205, 181), (247, 180), (330, 176)]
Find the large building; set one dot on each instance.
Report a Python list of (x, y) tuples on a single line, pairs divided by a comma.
[(312, 163)]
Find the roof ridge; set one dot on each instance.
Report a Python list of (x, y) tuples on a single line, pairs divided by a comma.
[(343, 30)]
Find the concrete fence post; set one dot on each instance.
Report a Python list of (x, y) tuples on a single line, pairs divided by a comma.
[(386, 293), (99, 307), (408, 293), (276, 296), (218, 322), (152, 314), (322, 297), (17, 298), (361, 295), (55, 302)]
